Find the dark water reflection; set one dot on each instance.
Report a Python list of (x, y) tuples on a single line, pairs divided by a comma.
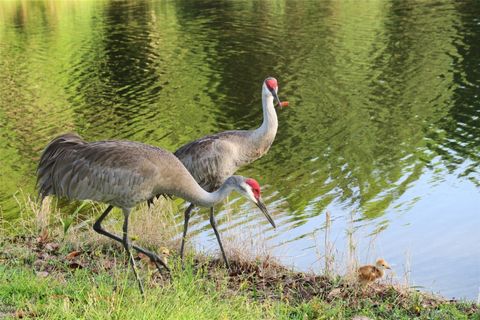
[(384, 123)]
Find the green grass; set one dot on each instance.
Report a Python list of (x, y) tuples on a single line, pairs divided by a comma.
[(83, 295), (38, 282)]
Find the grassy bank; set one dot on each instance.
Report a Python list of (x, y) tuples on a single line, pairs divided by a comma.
[(56, 267), (86, 295)]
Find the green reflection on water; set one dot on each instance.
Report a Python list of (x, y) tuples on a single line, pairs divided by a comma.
[(380, 93)]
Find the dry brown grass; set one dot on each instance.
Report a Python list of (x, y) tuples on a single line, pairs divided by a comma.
[(157, 226), (335, 264), (153, 227), (246, 243)]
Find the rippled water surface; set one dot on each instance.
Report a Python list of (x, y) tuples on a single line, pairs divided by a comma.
[(382, 132)]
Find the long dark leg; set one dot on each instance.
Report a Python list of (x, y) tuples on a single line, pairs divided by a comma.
[(98, 228), (126, 245), (214, 226), (149, 202), (185, 227)]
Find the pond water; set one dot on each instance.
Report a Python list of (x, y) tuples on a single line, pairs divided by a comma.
[(382, 132)]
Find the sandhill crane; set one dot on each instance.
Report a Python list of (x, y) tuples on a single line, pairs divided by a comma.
[(370, 273), (212, 159), (123, 173)]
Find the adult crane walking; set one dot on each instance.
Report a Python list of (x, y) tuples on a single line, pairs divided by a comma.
[(212, 159), (124, 173)]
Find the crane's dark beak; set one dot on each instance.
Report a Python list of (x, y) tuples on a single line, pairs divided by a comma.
[(275, 96), (262, 207)]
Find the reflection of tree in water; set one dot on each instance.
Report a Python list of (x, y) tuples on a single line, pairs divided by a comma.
[(404, 80), (368, 117), (118, 79), (22, 109), (363, 146), (373, 138), (244, 42), (234, 38), (459, 144)]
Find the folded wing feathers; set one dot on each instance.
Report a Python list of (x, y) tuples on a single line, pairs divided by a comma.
[(47, 166), (75, 169)]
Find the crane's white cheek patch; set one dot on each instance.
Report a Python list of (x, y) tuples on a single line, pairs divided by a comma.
[(251, 195)]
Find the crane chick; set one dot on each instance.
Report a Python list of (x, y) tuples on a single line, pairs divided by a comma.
[(369, 273)]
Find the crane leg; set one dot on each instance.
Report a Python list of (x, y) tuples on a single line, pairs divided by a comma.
[(185, 227), (153, 257), (127, 245), (213, 223), (149, 202)]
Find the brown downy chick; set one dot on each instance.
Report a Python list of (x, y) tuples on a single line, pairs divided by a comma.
[(165, 253), (370, 273)]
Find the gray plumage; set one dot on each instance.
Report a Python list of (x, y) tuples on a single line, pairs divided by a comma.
[(212, 159), (120, 173)]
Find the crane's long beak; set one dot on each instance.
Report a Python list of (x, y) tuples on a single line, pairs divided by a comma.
[(262, 207), (275, 96)]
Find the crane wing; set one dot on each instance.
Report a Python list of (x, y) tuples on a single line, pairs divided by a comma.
[(109, 171), (214, 158)]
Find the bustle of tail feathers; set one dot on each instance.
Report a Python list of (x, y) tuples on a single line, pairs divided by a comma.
[(52, 152)]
